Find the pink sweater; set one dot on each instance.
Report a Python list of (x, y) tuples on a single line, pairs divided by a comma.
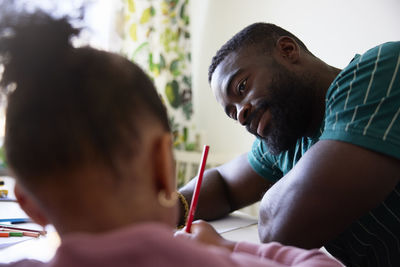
[(153, 245)]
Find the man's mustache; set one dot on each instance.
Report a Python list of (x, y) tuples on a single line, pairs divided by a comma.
[(260, 108)]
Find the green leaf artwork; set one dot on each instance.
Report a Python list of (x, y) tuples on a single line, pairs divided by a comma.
[(131, 5), (147, 14), (141, 50), (187, 81), (157, 37), (174, 68), (172, 93), (162, 62), (2, 158)]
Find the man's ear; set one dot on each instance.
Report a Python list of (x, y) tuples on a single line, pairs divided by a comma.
[(165, 164), (29, 205), (288, 49)]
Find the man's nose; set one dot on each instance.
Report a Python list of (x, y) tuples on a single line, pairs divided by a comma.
[(244, 113)]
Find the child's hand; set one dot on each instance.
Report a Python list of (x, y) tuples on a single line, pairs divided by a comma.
[(203, 232)]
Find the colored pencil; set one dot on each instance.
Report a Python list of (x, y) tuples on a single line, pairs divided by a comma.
[(19, 221), (8, 227), (4, 234), (196, 192), (11, 234), (16, 220), (18, 233), (7, 199)]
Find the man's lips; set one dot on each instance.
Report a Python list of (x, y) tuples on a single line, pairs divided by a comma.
[(263, 123), (259, 122)]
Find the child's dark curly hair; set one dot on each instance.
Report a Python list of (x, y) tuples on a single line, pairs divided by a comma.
[(67, 106)]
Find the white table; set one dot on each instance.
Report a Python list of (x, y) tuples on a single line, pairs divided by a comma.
[(238, 226)]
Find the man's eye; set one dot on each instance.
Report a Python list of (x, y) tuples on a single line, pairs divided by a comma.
[(242, 86)]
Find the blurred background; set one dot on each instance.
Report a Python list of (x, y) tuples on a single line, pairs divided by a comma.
[(174, 41)]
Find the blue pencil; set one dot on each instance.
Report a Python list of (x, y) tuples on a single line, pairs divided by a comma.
[(16, 220)]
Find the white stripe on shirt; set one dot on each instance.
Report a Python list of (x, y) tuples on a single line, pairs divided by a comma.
[(373, 115), (372, 75), (351, 86), (366, 245), (391, 124), (377, 237), (387, 230), (351, 83), (336, 119), (352, 119), (394, 215), (394, 76)]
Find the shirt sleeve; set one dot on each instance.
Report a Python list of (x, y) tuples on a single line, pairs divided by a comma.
[(363, 102)]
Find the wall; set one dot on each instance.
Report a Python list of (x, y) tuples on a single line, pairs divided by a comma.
[(332, 30)]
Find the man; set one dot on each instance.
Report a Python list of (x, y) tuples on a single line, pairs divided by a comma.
[(88, 142), (328, 145)]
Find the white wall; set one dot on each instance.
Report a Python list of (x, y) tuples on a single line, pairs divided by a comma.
[(333, 30)]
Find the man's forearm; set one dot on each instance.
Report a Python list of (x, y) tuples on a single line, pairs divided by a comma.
[(214, 199)]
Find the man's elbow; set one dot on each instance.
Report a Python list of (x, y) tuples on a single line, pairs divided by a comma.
[(265, 227), (270, 228), (263, 234), (274, 230)]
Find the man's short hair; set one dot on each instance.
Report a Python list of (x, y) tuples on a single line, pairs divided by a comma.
[(263, 35)]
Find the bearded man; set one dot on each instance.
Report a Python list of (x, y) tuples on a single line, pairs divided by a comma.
[(326, 161)]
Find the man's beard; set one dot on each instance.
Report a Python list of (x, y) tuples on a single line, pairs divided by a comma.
[(290, 103)]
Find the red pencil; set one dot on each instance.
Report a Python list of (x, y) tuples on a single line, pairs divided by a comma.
[(196, 192)]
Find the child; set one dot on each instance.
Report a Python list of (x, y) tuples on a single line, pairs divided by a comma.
[(88, 141)]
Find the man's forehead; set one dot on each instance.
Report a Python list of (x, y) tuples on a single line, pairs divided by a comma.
[(234, 62), (225, 69)]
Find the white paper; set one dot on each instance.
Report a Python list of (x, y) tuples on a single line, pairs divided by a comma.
[(233, 222)]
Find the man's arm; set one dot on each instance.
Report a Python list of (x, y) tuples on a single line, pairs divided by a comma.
[(332, 185), (226, 188)]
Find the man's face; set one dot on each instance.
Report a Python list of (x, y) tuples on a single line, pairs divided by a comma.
[(272, 102)]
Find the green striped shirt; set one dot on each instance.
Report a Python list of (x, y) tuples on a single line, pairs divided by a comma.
[(362, 108)]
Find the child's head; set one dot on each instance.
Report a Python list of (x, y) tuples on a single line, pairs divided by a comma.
[(83, 127)]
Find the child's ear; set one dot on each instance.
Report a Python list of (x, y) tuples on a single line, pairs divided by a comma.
[(165, 164), (30, 206)]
